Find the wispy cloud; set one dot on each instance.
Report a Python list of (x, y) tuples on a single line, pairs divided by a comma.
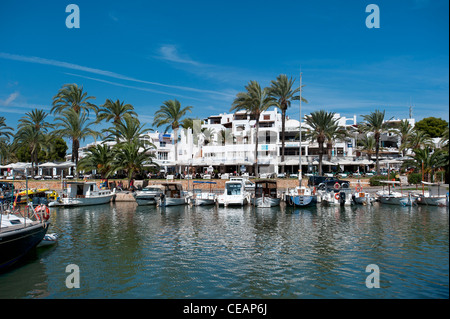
[(67, 65), (9, 99), (169, 52), (132, 87)]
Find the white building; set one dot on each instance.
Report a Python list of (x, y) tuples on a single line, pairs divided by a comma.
[(225, 143)]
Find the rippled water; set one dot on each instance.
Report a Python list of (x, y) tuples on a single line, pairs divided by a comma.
[(129, 251)]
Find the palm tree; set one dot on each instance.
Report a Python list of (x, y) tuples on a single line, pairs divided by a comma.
[(403, 131), (368, 145), (334, 132), (419, 140), (171, 114), (254, 101), (320, 124), (33, 139), (130, 157), (32, 133), (5, 131), (127, 130), (70, 96), (431, 159), (375, 124), (115, 111), (98, 157), (76, 127), (5, 134), (282, 90)]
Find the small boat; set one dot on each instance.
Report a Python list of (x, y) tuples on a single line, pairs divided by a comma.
[(302, 196), (83, 194), (361, 197), (234, 193), (340, 194), (395, 198), (34, 195), (202, 198), (436, 195), (49, 239), (149, 195), (172, 195), (266, 194), (18, 236)]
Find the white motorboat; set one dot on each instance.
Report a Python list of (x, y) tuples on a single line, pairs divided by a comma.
[(149, 195), (201, 197), (436, 195), (396, 198), (361, 197), (83, 194), (342, 197), (266, 194), (234, 194), (302, 196), (173, 195)]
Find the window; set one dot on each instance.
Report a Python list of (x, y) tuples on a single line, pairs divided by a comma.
[(162, 156)]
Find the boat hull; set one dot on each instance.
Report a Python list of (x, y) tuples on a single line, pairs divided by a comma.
[(302, 200), (15, 244), (86, 201), (363, 198), (433, 201), (401, 201), (146, 200), (232, 200), (264, 202), (169, 201)]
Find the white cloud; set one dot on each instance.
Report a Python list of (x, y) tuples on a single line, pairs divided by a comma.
[(9, 99), (67, 65), (170, 52)]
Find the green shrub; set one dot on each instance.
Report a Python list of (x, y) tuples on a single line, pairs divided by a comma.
[(375, 181), (414, 178)]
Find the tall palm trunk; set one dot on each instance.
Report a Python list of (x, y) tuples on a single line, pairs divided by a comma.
[(75, 147), (256, 147), (321, 141), (283, 128), (377, 151)]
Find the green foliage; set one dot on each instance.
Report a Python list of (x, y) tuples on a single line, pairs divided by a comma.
[(375, 180), (433, 126), (414, 178)]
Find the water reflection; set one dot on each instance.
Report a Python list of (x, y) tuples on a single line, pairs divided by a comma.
[(129, 251)]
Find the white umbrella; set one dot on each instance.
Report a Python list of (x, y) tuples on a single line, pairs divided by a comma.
[(48, 164), (65, 164)]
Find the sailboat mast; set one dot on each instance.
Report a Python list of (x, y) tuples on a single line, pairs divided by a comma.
[(300, 144)]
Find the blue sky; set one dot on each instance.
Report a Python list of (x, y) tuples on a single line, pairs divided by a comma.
[(204, 52)]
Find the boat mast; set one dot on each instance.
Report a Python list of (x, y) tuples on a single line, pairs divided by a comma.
[(300, 144)]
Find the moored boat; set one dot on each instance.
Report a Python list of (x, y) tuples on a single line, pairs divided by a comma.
[(234, 194), (201, 197), (266, 194), (172, 195), (361, 197), (149, 195), (396, 198), (302, 196), (19, 235), (436, 195), (83, 194)]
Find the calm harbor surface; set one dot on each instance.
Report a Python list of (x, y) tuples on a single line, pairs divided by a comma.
[(129, 251)]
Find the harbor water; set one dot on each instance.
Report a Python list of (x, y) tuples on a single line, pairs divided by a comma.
[(127, 251)]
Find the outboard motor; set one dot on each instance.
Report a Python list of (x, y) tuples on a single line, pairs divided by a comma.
[(342, 198)]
